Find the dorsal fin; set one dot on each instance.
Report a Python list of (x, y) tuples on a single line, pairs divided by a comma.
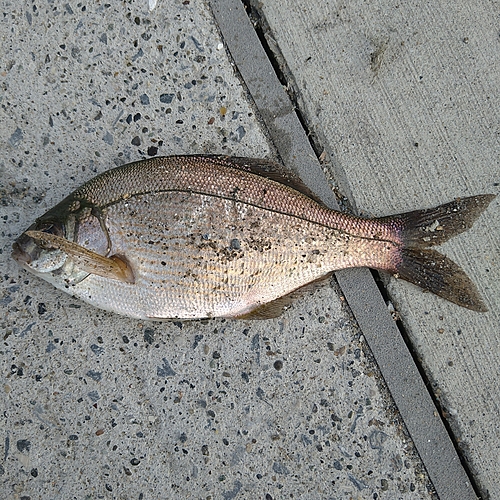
[(270, 170)]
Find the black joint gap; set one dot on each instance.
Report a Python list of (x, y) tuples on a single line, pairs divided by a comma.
[(280, 67)]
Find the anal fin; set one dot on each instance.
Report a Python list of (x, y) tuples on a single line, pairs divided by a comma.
[(269, 310), (276, 307)]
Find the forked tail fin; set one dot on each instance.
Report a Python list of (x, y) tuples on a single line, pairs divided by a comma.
[(427, 268), (436, 273)]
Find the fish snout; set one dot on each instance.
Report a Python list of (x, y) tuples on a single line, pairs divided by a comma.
[(25, 250), (19, 255)]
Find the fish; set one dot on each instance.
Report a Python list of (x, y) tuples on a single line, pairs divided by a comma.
[(204, 236)]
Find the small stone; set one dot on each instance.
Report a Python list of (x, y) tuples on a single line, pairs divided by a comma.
[(94, 375), (167, 98), (94, 396), (238, 134), (149, 335), (23, 445), (97, 350), (235, 244), (279, 468), (165, 370), (16, 137), (108, 138)]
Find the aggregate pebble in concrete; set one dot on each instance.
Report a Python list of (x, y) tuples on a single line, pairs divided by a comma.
[(99, 406)]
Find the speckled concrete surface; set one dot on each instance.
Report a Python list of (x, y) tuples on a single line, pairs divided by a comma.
[(99, 406), (109, 408)]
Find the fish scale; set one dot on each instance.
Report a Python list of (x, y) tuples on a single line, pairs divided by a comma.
[(216, 176), (207, 236), (204, 275)]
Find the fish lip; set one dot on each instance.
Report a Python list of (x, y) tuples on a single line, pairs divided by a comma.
[(19, 255), (24, 249)]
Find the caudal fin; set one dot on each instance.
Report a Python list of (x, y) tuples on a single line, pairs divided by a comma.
[(434, 226), (436, 273), (429, 269)]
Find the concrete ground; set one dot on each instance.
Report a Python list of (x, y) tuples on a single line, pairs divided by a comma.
[(99, 406)]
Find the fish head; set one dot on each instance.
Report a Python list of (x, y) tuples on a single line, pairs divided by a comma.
[(43, 248)]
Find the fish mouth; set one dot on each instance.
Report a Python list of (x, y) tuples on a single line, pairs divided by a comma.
[(19, 255), (25, 250)]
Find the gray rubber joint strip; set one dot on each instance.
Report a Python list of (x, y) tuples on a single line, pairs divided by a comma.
[(363, 296)]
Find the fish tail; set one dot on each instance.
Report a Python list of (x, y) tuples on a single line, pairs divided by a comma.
[(434, 226), (427, 268), (434, 272)]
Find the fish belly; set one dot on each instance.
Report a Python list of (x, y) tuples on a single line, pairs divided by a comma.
[(198, 256)]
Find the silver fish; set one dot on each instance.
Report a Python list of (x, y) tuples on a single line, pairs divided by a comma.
[(210, 236)]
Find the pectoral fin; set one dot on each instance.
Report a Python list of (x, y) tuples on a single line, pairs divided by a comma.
[(115, 267)]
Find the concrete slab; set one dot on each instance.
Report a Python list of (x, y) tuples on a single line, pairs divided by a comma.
[(404, 99), (99, 406)]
